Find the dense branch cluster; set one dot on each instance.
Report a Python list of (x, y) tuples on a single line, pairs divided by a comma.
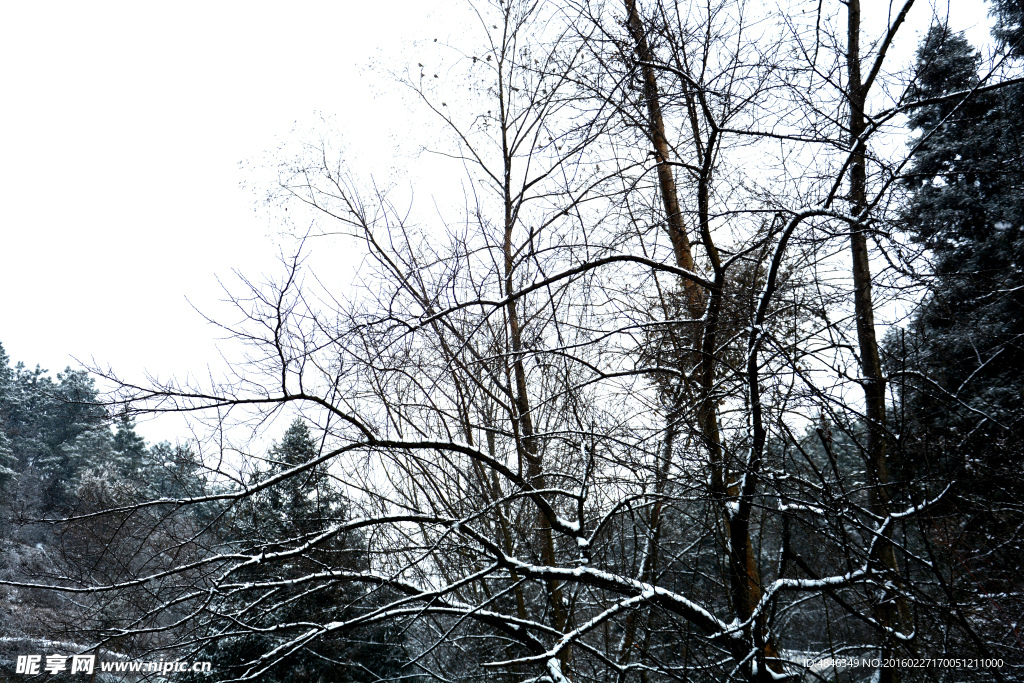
[(630, 412)]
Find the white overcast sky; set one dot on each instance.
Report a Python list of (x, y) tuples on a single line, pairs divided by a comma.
[(122, 129)]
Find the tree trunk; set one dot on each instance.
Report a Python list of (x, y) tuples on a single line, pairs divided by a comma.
[(744, 571), (891, 609)]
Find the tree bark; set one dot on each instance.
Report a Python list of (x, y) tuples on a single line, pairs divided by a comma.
[(744, 571), (522, 421), (891, 609)]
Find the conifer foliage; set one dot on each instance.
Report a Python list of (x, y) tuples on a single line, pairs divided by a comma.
[(298, 520), (959, 367), (967, 181)]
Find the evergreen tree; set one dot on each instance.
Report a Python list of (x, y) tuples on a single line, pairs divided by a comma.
[(52, 429), (7, 462), (75, 436), (6, 387), (306, 503), (968, 208), (285, 516), (959, 368), (129, 448), (1010, 25), (173, 471)]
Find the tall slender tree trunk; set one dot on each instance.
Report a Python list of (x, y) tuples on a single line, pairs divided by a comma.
[(527, 448), (666, 180), (744, 571), (891, 609)]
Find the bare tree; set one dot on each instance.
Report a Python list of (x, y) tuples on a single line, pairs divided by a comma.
[(600, 423)]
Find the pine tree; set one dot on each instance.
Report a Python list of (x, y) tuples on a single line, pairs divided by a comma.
[(129, 448), (75, 435), (54, 429), (306, 503), (173, 471), (968, 209), (1010, 25), (8, 461), (959, 368), (287, 515)]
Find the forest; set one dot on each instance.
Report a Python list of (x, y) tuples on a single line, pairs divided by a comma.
[(711, 372)]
